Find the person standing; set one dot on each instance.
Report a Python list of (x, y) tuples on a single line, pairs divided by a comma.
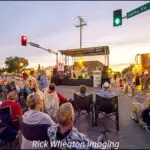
[(24, 75), (145, 81), (121, 85), (129, 82), (142, 82), (43, 81), (115, 77), (137, 80), (32, 80)]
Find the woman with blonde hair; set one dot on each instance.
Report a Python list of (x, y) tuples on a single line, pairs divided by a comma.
[(40, 93), (34, 116)]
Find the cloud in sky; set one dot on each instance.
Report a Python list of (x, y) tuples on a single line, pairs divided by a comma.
[(51, 24)]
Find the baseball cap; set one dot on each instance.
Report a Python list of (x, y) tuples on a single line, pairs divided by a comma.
[(106, 85)]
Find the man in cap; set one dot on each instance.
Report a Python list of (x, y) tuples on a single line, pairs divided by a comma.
[(106, 92)]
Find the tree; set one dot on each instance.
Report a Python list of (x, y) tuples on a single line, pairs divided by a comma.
[(15, 64), (125, 70), (2, 70)]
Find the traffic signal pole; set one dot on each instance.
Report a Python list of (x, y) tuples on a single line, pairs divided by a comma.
[(48, 50), (117, 14)]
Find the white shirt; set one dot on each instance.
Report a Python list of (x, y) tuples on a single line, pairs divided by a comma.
[(51, 102)]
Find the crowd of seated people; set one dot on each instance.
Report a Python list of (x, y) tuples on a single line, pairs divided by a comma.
[(48, 107)]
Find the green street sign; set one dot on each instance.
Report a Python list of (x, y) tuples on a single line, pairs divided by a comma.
[(138, 10)]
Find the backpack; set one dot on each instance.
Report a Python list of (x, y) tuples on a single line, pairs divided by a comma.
[(23, 93)]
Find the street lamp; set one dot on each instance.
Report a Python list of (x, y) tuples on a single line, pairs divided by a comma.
[(21, 64)]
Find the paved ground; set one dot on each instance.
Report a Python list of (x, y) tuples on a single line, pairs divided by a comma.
[(130, 135)]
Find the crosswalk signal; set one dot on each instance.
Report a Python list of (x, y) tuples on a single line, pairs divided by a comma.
[(23, 40), (117, 17)]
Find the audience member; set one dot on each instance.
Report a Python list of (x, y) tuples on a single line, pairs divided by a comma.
[(10, 132), (64, 130), (51, 101), (141, 111), (15, 87), (16, 110), (32, 80), (43, 81), (27, 89), (121, 86), (34, 116), (142, 81), (129, 81), (145, 80), (41, 103), (83, 90), (24, 75), (52, 89), (107, 92), (137, 80)]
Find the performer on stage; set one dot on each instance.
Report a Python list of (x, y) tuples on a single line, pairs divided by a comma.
[(84, 73)]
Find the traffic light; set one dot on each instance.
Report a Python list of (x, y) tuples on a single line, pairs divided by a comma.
[(117, 17), (23, 40)]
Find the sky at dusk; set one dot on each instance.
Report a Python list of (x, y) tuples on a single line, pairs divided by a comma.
[(51, 24)]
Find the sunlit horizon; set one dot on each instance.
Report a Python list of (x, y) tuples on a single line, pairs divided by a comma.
[(53, 27)]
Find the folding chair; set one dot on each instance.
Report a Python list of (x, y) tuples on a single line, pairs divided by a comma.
[(146, 119), (6, 121), (34, 132), (107, 107), (84, 103)]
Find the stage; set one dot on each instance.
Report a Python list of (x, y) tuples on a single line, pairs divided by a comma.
[(87, 82), (93, 70), (77, 82)]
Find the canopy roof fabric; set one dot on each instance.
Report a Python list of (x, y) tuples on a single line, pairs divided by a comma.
[(90, 51)]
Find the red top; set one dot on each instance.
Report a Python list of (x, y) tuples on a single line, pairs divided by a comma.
[(15, 108), (61, 98), (24, 75), (121, 85)]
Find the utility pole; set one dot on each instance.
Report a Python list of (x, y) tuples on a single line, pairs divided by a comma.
[(81, 24)]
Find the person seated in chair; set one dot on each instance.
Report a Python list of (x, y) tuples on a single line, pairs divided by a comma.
[(34, 116), (64, 130), (83, 90), (61, 98), (9, 134), (15, 107), (41, 103), (141, 111), (107, 92)]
